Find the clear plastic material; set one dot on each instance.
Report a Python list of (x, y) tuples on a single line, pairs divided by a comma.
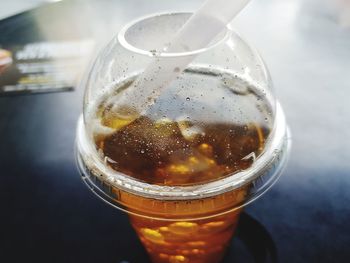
[(213, 140), (214, 14), (226, 90)]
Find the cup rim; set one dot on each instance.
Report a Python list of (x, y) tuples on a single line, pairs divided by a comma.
[(261, 182), (264, 163), (123, 41)]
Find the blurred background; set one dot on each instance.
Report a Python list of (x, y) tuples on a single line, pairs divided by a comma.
[(48, 214)]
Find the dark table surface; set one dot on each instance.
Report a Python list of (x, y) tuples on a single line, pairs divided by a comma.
[(48, 214)]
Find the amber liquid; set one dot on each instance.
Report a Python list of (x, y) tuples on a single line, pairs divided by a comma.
[(180, 152)]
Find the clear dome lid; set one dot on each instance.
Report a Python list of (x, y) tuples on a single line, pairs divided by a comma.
[(212, 129)]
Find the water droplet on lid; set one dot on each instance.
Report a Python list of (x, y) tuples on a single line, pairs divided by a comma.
[(153, 51)]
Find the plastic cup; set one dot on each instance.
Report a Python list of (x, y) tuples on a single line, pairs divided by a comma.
[(213, 141)]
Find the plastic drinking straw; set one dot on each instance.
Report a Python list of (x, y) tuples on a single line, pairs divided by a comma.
[(198, 31)]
